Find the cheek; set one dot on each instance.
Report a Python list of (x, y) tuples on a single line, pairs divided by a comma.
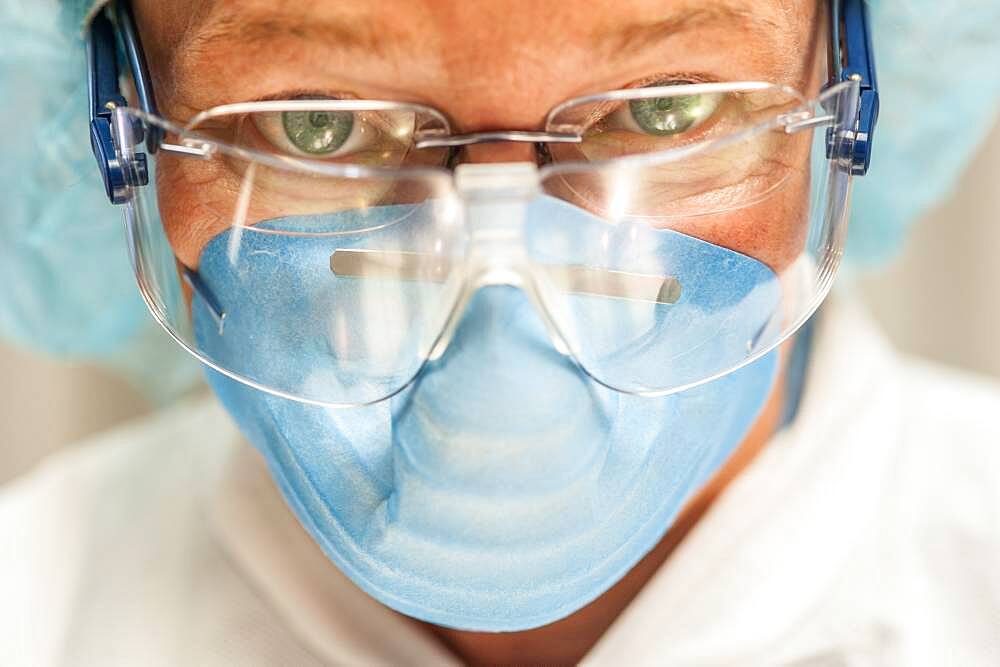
[(186, 192), (773, 230), (198, 199)]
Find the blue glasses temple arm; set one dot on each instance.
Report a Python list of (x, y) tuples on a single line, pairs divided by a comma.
[(855, 59), (852, 53), (104, 96)]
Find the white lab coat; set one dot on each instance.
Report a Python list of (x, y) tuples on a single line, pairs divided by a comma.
[(867, 533)]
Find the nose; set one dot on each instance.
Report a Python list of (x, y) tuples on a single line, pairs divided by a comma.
[(501, 407), (507, 151)]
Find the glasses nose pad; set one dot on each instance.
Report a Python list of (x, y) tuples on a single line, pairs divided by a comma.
[(534, 287)]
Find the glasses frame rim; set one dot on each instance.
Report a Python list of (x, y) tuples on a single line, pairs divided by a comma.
[(444, 137), (197, 144)]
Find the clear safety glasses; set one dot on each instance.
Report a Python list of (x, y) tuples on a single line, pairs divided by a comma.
[(325, 250), (672, 235)]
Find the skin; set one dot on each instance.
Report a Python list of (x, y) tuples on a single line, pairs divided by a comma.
[(500, 65)]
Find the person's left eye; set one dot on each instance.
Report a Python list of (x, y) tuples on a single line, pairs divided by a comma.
[(666, 116)]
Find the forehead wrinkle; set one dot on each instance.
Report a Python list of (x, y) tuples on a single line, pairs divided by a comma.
[(347, 38), (235, 29)]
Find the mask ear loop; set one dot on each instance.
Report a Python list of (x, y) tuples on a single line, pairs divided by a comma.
[(195, 283)]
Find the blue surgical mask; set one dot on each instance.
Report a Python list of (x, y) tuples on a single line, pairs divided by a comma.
[(503, 489)]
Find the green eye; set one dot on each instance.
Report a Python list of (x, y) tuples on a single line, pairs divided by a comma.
[(666, 116), (317, 132)]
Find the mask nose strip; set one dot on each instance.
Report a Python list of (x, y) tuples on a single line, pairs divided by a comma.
[(501, 408)]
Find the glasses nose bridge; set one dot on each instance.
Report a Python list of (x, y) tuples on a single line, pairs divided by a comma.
[(509, 137), (497, 146)]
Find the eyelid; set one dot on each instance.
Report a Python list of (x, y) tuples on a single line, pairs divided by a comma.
[(306, 94), (675, 78)]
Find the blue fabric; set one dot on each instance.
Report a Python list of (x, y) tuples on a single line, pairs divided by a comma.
[(939, 82), (504, 489), (68, 285), (75, 13)]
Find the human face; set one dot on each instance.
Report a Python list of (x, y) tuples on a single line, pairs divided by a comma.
[(487, 66), (486, 420)]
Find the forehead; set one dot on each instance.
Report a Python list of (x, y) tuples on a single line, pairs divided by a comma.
[(437, 51)]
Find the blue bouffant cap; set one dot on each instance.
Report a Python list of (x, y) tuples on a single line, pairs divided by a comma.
[(939, 85), (67, 284)]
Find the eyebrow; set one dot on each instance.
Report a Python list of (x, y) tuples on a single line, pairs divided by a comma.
[(638, 36)]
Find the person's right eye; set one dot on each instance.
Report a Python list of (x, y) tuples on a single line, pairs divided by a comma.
[(317, 134)]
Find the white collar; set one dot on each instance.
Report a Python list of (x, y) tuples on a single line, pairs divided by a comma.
[(331, 615)]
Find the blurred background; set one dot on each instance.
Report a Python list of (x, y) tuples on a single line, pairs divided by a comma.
[(938, 300)]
